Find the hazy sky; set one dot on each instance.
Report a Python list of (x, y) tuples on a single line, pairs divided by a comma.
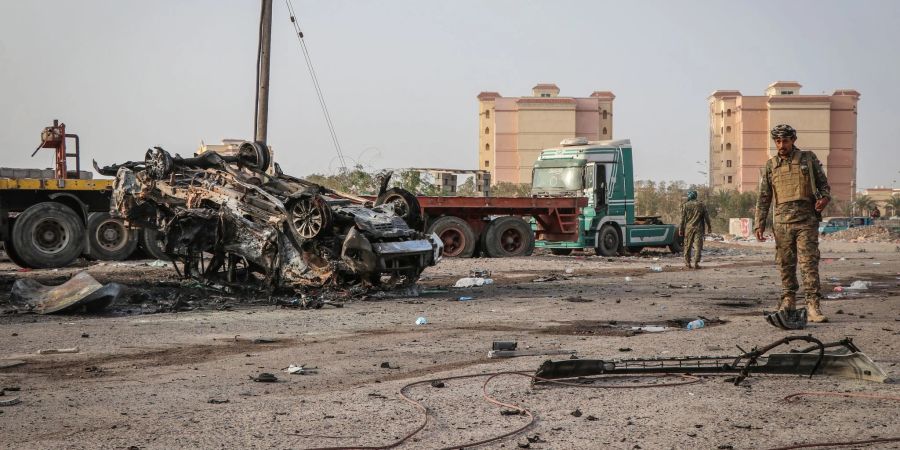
[(400, 77)]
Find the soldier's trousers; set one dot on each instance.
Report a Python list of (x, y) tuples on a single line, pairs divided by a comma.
[(798, 242), (693, 244)]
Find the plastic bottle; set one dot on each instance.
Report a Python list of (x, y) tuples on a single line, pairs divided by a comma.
[(694, 324)]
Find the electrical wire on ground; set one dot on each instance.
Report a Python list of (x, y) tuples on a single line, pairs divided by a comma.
[(797, 395), (688, 379), (315, 79)]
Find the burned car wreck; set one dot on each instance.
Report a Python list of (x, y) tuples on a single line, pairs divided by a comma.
[(237, 219)]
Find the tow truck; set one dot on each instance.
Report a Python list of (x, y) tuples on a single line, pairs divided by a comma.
[(50, 217)]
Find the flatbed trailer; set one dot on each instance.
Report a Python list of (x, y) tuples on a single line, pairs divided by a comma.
[(490, 226)]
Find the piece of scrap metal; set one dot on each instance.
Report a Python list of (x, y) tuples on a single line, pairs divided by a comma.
[(493, 354), (81, 291), (842, 359), (788, 320)]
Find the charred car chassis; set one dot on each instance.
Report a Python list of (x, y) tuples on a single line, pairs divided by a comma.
[(237, 219)]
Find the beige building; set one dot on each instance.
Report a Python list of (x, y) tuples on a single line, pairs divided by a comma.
[(881, 195), (739, 142), (513, 130)]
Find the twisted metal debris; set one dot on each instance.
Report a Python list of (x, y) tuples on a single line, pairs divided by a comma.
[(237, 219)]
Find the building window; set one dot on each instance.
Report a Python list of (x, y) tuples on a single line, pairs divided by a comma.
[(545, 95), (604, 131), (787, 92), (605, 114), (487, 147), (487, 114), (728, 179), (487, 130), (728, 113), (487, 163), (728, 146), (728, 129), (728, 163)]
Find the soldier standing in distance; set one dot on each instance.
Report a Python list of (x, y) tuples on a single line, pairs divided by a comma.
[(694, 219), (796, 181)]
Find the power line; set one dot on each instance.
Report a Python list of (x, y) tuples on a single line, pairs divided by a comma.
[(315, 79)]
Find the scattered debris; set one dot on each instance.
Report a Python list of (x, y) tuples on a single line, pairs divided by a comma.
[(473, 282), (388, 365), (465, 298), (656, 268), (788, 320), (10, 363), (516, 353), (10, 402), (695, 324), (218, 401), (80, 293), (421, 321), (437, 384), (504, 345), (479, 273), (847, 361), (159, 263), (511, 412), (553, 277), (301, 370), (859, 285), (578, 299), (53, 351), (576, 413), (264, 377), (864, 234)]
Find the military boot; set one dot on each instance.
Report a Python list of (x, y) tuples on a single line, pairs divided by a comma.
[(814, 311), (788, 303)]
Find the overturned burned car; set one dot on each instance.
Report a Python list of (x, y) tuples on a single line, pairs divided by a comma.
[(237, 219)]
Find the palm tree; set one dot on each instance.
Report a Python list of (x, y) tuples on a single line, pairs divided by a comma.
[(894, 205), (864, 204)]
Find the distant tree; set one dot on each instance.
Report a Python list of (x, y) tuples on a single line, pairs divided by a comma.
[(467, 189), (508, 189), (893, 204), (864, 204)]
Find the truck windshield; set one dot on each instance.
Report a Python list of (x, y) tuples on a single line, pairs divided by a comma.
[(557, 179)]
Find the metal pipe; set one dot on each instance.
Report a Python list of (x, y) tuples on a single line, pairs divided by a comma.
[(262, 80)]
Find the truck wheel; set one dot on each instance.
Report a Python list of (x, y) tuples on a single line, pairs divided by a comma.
[(608, 245), (406, 205), (457, 235), (508, 236), (561, 251), (676, 245), (11, 253), (152, 245), (48, 234), (109, 238)]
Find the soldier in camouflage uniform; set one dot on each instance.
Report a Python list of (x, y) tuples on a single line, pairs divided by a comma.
[(694, 220), (796, 182)]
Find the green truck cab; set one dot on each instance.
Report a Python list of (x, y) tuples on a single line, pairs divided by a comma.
[(602, 171)]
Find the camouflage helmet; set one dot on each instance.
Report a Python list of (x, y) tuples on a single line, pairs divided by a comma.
[(783, 131), (692, 195)]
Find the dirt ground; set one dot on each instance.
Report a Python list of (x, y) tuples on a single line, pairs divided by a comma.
[(158, 380)]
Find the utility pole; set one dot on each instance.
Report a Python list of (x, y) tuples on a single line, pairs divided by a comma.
[(262, 74)]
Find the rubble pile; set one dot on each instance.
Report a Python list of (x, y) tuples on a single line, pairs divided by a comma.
[(864, 234)]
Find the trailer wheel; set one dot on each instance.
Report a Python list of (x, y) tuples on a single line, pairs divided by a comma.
[(152, 245), (11, 252), (406, 205), (109, 238), (48, 234), (457, 235), (508, 236), (608, 245), (561, 251)]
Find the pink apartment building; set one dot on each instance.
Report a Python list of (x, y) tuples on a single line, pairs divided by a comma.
[(513, 130), (739, 142)]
